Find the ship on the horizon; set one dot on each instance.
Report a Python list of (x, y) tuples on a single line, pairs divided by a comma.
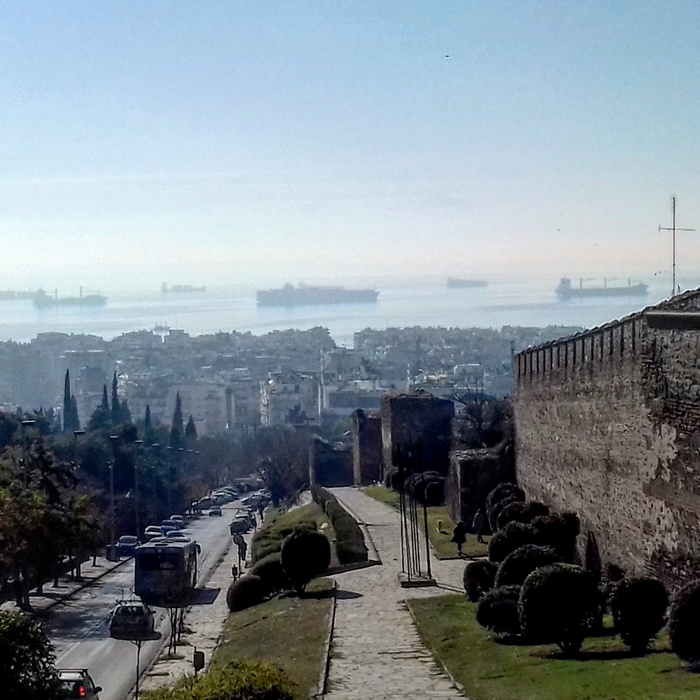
[(565, 290), (460, 282), (181, 288), (308, 295), (43, 300)]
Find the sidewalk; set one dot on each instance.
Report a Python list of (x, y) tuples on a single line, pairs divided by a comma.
[(67, 586), (376, 650)]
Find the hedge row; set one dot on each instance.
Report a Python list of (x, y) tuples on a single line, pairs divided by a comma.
[(244, 679), (349, 543)]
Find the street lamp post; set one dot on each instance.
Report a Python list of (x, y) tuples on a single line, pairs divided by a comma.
[(113, 522), (139, 443)]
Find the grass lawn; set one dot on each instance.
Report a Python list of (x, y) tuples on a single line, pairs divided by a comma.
[(440, 539), (290, 632), (491, 671)]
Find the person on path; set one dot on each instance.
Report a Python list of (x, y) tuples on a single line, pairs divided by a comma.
[(459, 536), (478, 525)]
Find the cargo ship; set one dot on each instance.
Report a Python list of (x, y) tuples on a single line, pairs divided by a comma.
[(565, 290), (181, 288), (458, 282), (307, 295), (43, 300)]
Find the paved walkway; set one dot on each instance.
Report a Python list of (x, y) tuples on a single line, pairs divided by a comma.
[(376, 650)]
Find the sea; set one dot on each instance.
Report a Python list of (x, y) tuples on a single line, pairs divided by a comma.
[(524, 301)]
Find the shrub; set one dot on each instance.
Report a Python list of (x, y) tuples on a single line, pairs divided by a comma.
[(349, 541), (245, 592), (498, 610), (304, 556), (243, 679), (269, 540), (500, 497), (270, 570), (638, 606), (512, 512), (684, 622), (519, 564), (558, 603), (510, 538), (478, 579), (558, 532)]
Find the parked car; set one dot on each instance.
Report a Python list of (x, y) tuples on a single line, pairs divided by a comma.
[(152, 531), (176, 535), (204, 503), (126, 545), (179, 520), (131, 619), (77, 683), (167, 525), (238, 525), (215, 510)]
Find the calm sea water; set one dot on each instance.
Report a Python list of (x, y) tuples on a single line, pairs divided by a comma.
[(523, 302)]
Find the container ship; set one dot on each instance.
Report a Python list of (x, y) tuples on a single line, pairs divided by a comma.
[(303, 295), (181, 288), (565, 290), (43, 300), (458, 282)]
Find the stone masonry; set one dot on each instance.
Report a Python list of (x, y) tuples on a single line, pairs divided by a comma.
[(608, 425)]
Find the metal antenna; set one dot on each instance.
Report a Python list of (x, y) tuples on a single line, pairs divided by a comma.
[(673, 228)]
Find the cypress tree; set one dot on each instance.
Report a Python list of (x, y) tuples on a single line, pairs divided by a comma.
[(105, 401), (67, 417), (190, 432), (176, 429), (116, 406), (75, 419)]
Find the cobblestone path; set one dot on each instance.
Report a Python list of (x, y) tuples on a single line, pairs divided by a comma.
[(376, 651)]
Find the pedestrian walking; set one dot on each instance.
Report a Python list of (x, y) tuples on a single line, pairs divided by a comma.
[(459, 536), (479, 524)]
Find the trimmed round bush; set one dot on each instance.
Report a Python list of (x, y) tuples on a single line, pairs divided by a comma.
[(510, 538), (498, 610), (243, 678), (503, 489), (304, 556), (478, 579), (639, 607), (558, 532), (684, 622), (558, 603), (245, 592), (513, 512), (518, 565), (498, 506), (270, 570)]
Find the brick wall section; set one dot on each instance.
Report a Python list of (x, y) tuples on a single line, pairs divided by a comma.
[(608, 425), (329, 465), (420, 418), (366, 447), (473, 474)]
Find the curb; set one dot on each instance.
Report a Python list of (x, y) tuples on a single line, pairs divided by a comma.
[(83, 585), (322, 685), (457, 685)]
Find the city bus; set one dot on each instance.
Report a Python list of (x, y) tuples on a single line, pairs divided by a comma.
[(165, 572)]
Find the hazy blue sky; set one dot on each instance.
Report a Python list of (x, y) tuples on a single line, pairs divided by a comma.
[(247, 141)]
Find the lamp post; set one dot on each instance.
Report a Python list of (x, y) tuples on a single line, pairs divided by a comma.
[(137, 513), (76, 435), (26, 423), (113, 522)]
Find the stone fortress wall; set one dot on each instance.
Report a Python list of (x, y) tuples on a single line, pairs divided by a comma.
[(608, 425)]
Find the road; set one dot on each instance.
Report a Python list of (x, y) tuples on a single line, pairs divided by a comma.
[(78, 627)]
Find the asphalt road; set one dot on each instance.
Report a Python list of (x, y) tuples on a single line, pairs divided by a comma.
[(78, 627)]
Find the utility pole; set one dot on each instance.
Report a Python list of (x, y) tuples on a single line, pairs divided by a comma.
[(673, 228)]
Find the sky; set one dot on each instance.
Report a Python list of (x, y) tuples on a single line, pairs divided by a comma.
[(239, 142)]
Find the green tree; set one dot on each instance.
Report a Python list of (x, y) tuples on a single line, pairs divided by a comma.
[(26, 659), (116, 409), (67, 408), (177, 428)]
